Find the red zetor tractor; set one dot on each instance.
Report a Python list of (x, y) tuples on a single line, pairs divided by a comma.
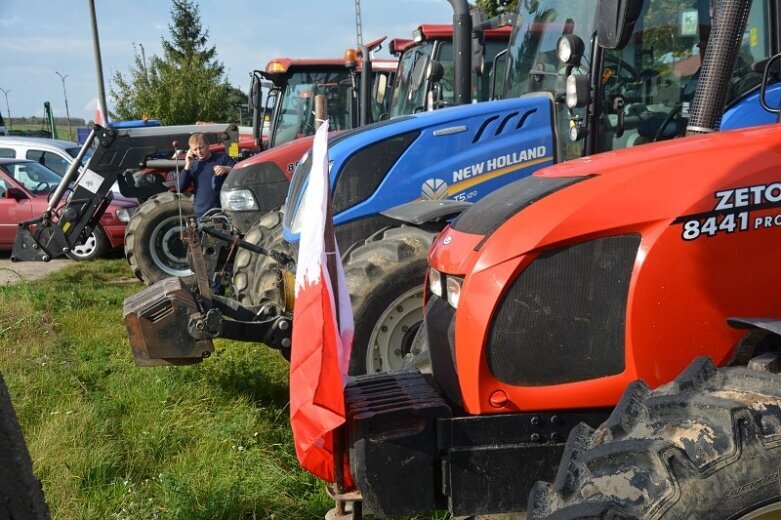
[(702, 287), (545, 299)]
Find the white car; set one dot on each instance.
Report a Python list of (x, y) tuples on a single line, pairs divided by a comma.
[(55, 154)]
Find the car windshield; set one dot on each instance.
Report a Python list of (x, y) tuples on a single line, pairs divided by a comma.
[(34, 177)]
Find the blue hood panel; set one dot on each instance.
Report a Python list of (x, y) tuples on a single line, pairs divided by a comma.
[(460, 153)]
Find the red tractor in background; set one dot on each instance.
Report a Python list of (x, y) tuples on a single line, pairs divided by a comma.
[(546, 298)]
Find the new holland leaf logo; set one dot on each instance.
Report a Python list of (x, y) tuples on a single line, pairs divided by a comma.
[(433, 189)]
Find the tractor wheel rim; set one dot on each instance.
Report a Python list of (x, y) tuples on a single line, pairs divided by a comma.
[(393, 333), (167, 250), (768, 512), (87, 247)]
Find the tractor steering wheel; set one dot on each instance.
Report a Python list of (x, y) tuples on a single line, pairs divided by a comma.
[(667, 120)]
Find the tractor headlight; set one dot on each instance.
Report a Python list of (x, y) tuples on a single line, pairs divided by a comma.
[(124, 214), (453, 286), (577, 91), (435, 282), (569, 49), (238, 200)]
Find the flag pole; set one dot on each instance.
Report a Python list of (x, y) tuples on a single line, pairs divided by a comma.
[(338, 439), (331, 263)]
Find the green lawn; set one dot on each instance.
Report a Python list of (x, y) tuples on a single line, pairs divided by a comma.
[(110, 440)]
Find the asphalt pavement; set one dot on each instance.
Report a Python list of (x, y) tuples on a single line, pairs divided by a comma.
[(13, 272)]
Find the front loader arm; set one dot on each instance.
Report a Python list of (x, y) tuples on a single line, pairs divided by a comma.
[(83, 195)]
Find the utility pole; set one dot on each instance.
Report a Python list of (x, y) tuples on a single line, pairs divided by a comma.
[(358, 24), (67, 111), (98, 64), (10, 125)]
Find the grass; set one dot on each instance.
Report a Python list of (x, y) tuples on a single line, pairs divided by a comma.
[(62, 128), (110, 440)]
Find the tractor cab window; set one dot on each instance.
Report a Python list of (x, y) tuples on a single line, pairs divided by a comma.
[(296, 115), (532, 62), (481, 85), (409, 93), (651, 82)]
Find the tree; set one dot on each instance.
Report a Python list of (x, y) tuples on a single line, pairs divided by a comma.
[(493, 8), (184, 86)]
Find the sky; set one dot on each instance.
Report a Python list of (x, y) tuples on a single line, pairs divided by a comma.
[(39, 38)]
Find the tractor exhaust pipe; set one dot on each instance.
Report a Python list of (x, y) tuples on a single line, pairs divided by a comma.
[(721, 55), (462, 51)]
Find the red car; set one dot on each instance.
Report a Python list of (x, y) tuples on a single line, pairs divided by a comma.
[(24, 191)]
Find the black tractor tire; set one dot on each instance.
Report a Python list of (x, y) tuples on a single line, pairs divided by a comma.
[(153, 245), (95, 246), (21, 495), (247, 279), (707, 445), (385, 277)]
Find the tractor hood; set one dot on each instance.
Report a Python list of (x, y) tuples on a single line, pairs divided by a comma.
[(459, 153), (259, 184), (633, 251)]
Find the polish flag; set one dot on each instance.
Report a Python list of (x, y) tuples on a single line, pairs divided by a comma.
[(99, 119), (322, 326)]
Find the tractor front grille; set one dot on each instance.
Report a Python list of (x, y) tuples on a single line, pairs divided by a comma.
[(563, 318)]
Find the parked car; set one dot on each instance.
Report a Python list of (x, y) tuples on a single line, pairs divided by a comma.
[(54, 154), (25, 187)]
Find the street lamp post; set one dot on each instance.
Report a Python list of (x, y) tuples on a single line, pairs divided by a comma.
[(64, 93), (6, 106)]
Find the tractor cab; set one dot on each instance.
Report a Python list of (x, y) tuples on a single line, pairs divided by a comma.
[(425, 77), (637, 92), (290, 102)]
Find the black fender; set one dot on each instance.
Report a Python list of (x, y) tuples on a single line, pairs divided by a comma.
[(760, 331), (772, 325), (420, 212)]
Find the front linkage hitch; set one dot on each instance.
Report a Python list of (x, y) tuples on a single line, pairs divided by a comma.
[(169, 324)]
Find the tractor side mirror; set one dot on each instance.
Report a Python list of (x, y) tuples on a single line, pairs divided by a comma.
[(15, 193), (435, 71), (419, 73), (769, 75), (616, 19), (380, 89), (256, 106)]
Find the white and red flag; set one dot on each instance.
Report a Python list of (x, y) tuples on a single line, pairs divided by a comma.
[(99, 119), (322, 326)]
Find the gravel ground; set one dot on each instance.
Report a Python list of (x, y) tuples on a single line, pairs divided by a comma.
[(13, 272)]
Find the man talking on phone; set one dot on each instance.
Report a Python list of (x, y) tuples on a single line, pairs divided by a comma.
[(206, 172)]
